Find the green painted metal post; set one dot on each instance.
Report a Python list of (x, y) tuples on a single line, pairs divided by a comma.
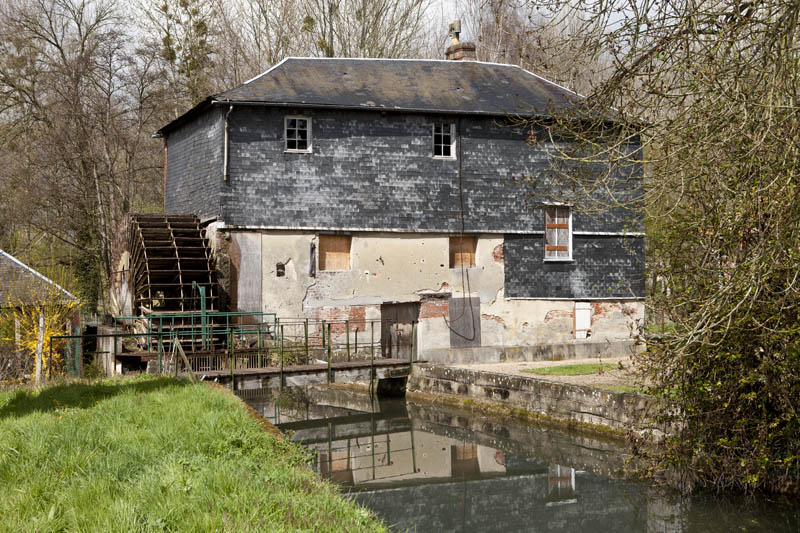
[(413, 342), (371, 357), (355, 344), (233, 358), (347, 336), (281, 356), (259, 345), (305, 334), (160, 349), (329, 353), (323, 334)]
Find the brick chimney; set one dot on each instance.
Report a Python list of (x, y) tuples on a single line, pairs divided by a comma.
[(458, 51)]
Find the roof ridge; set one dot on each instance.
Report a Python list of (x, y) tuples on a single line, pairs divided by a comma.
[(37, 274), (409, 59)]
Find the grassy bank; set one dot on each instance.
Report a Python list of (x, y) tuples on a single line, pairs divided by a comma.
[(573, 370), (155, 455)]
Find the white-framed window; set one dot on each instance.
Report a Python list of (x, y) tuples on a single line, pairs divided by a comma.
[(444, 140), (557, 233), (297, 133)]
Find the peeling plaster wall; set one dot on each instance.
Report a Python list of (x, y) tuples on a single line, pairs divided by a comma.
[(390, 267)]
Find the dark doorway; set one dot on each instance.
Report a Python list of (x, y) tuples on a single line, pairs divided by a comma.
[(396, 328)]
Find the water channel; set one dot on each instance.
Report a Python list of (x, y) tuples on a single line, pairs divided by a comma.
[(431, 468)]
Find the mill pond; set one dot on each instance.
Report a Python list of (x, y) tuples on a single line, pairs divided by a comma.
[(426, 468)]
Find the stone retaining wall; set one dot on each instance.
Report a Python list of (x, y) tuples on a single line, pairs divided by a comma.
[(537, 352), (561, 401)]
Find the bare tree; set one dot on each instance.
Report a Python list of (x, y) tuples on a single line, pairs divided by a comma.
[(254, 35), (78, 109), (366, 28), (517, 32)]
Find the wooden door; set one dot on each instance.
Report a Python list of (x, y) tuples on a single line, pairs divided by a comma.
[(397, 321)]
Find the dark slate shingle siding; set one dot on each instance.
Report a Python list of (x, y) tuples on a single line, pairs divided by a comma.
[(376, 172), (603, 267), (194, 166)]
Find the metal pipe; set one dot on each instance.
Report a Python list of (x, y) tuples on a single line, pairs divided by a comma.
[(347, 337)]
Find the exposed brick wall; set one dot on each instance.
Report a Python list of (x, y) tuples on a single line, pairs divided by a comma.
[(337, 316), (434, 308), (194, 166), (603, 267)]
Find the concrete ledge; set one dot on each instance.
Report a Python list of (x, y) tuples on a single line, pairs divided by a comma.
[(620, 411), (541, 352)]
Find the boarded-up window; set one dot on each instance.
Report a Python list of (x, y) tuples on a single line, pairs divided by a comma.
[(462, 252), (334, 252), (557, 233), (583, 319)]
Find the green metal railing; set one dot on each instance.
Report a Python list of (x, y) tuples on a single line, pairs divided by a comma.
[(266, 341)]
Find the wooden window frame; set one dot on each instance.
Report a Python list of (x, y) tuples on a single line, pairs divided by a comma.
[(322, 253), (309, 137), (558, 246), (452, 251), (451, 133)]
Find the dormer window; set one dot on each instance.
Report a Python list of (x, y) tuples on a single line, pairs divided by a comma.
[(298, 134), (444, 140)]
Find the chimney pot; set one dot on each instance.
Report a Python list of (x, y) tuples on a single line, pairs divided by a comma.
[(458, 51)]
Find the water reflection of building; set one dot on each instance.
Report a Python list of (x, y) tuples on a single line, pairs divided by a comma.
[(560, 485), (439, 470), (402, 457)]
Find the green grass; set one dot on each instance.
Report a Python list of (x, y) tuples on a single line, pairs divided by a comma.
[(622, 388), (572, 370), (155, 455)]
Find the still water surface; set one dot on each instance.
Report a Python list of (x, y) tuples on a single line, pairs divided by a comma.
[(428, 468)]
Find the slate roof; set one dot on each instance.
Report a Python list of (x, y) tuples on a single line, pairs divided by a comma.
[(419, 85), (19, 283)]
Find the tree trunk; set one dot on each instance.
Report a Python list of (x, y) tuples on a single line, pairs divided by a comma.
[(39, 347), (17, 335)]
